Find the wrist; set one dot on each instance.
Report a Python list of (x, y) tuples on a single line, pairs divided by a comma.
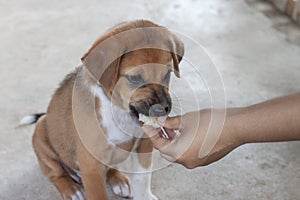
[(233, 127)]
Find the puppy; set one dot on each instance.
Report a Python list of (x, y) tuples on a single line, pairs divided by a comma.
[(91, 123)]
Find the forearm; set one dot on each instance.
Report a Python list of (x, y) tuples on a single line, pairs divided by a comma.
[(271, 121)]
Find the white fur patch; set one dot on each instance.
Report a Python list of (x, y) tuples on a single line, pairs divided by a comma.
[(119, 125), (121, 190), (141, 181), (148, 121)]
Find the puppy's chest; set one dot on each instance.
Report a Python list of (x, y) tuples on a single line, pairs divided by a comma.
[(119, 125), (118, 128)]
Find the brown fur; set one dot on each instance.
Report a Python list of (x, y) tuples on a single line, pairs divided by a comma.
[(56, 141)]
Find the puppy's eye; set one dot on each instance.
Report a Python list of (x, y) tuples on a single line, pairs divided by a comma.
[(136, 79)]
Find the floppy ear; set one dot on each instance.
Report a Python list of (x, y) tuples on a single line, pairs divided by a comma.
[(177, 51), (103, 62), (109, 77)]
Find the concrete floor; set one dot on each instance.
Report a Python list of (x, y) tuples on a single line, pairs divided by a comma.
[(256, 53)]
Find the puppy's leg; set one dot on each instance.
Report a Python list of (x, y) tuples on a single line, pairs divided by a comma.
[(48, 161), (119, 183), (93, 174), (141, 181)]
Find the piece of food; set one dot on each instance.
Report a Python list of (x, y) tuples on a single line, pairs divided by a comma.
[(150, 121), (165, 132)]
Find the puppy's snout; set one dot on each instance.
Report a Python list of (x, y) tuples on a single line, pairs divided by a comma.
[(156, 103), (158, 110)]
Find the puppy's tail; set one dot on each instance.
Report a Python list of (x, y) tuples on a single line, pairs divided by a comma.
[(30, 119)]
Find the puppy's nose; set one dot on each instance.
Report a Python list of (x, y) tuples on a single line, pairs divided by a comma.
[(157, 110)]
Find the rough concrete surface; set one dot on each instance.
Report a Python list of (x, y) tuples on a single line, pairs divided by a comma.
[(41, 41)]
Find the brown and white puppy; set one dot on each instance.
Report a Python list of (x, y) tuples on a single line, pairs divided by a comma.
[(123, 74)]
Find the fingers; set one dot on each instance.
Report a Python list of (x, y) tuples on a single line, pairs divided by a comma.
[(170, 150), (170, 122), (162, 145), (157, 141), (150, 131)]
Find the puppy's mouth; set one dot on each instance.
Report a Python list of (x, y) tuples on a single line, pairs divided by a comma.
[(134, 114), (155, 110), (149, 120)]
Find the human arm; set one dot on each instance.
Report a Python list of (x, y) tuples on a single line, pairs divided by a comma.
[(270, 121)]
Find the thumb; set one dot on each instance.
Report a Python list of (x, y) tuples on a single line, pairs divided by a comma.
[(170, 122)]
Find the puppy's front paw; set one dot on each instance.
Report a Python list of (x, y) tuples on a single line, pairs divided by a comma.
[(78, 195), (121, 189), (73, 192), (119, 183)]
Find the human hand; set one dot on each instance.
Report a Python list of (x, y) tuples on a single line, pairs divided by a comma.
[(185, 148)]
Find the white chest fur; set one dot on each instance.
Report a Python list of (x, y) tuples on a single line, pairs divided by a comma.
[(118, 123)]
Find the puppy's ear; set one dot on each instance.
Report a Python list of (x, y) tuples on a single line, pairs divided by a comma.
[(109, 77), (103, 62), (177, 51)]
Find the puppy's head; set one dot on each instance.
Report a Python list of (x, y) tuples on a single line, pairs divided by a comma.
[(133, 63), (144, 80)]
